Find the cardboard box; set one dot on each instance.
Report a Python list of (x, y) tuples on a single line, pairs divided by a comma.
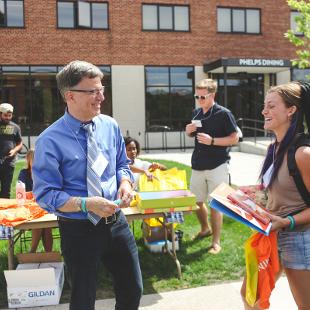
[(157, 246), (166, 201), (35, 284), (154, 233)]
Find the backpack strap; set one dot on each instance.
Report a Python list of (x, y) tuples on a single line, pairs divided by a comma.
[(302, 140)]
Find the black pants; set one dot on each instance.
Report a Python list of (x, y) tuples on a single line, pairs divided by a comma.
[(6, 176), (84, 246)]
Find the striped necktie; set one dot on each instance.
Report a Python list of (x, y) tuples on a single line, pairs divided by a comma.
[(93, 180)]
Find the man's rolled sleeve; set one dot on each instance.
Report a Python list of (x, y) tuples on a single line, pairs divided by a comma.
[(47, 179)]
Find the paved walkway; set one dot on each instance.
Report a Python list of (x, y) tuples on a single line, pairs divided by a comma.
[(215, 297), (244, 170)]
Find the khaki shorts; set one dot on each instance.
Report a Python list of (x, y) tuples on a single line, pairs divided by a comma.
[(203, 182)]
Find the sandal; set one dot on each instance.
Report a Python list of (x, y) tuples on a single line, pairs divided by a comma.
[(215, 249), (201, 235)]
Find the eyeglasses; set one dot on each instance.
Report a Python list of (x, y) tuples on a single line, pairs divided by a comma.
[(201, 97), (92, 92)]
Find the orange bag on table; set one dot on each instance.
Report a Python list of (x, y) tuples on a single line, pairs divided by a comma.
[(11, 214)]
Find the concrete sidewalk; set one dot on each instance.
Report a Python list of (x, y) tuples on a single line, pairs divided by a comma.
[(244, 167), (215, 297)]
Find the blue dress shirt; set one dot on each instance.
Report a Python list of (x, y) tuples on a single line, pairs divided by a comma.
[(60, 161)]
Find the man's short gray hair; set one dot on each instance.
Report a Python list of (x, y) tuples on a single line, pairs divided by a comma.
[(74, 72)]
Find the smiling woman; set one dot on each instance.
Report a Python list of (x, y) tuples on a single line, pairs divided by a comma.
[(286, 107)]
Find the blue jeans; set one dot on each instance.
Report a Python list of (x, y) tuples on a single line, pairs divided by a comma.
[(294, 249), (84, 246)]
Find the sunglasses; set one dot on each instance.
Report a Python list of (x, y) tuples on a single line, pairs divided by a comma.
[(201, 97)]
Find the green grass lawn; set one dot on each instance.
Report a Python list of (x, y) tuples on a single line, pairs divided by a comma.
[(158, 270)]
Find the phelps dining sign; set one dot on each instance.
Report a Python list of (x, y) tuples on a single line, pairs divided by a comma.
[(257, 62)]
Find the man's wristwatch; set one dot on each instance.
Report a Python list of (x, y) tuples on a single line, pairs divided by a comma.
[(212, 141)]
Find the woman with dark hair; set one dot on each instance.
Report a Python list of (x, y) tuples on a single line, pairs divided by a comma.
[(138, 166), (284, 111)]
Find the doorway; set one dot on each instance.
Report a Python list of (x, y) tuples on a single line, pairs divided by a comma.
[(245, 96)]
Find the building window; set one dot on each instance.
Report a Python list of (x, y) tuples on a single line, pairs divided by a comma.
[(301, 74), (32, 90), (169, 96), (165, 17), (238, 20), (11, 13), (295, 14), (81, 14)]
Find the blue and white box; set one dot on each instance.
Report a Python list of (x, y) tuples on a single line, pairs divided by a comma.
[(35, 284)]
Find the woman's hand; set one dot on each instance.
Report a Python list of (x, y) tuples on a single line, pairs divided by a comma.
[(149, 175), (278, 222)]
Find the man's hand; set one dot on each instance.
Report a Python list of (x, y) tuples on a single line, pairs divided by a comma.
[(125, 193), (190, 129), (100, 206), (204, 138), (12, 153)]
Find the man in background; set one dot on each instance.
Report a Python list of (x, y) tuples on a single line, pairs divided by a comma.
[(215, 130), (10, 144)]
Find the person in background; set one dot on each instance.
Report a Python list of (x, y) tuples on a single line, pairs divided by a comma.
[(85, 183), (138, 166), (286, 106), (215, 130), (10, 144), (25, 176)]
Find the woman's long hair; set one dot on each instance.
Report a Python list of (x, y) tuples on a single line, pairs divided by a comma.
[(291, 95), (29, 160)]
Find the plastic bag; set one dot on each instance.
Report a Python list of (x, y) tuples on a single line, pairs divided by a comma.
[(170, 179), (251, 271), (262, 266)]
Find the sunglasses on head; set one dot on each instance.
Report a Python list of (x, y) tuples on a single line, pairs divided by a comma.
[(201, 97)]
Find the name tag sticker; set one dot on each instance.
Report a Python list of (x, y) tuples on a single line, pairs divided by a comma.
[(267, 176), (197, 122), (99, 165)]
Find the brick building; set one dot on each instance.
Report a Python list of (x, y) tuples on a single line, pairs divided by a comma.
[(152, 53)]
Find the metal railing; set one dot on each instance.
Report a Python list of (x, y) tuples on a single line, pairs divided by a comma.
[(160, 129), (163, 130), (253, 125)]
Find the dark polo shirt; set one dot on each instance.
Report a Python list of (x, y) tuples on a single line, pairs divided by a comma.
[(217, 122)]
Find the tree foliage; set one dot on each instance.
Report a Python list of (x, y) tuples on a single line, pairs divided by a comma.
[(302, 42)]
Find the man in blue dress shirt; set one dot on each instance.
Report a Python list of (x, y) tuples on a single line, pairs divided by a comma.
[(60, 186)]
